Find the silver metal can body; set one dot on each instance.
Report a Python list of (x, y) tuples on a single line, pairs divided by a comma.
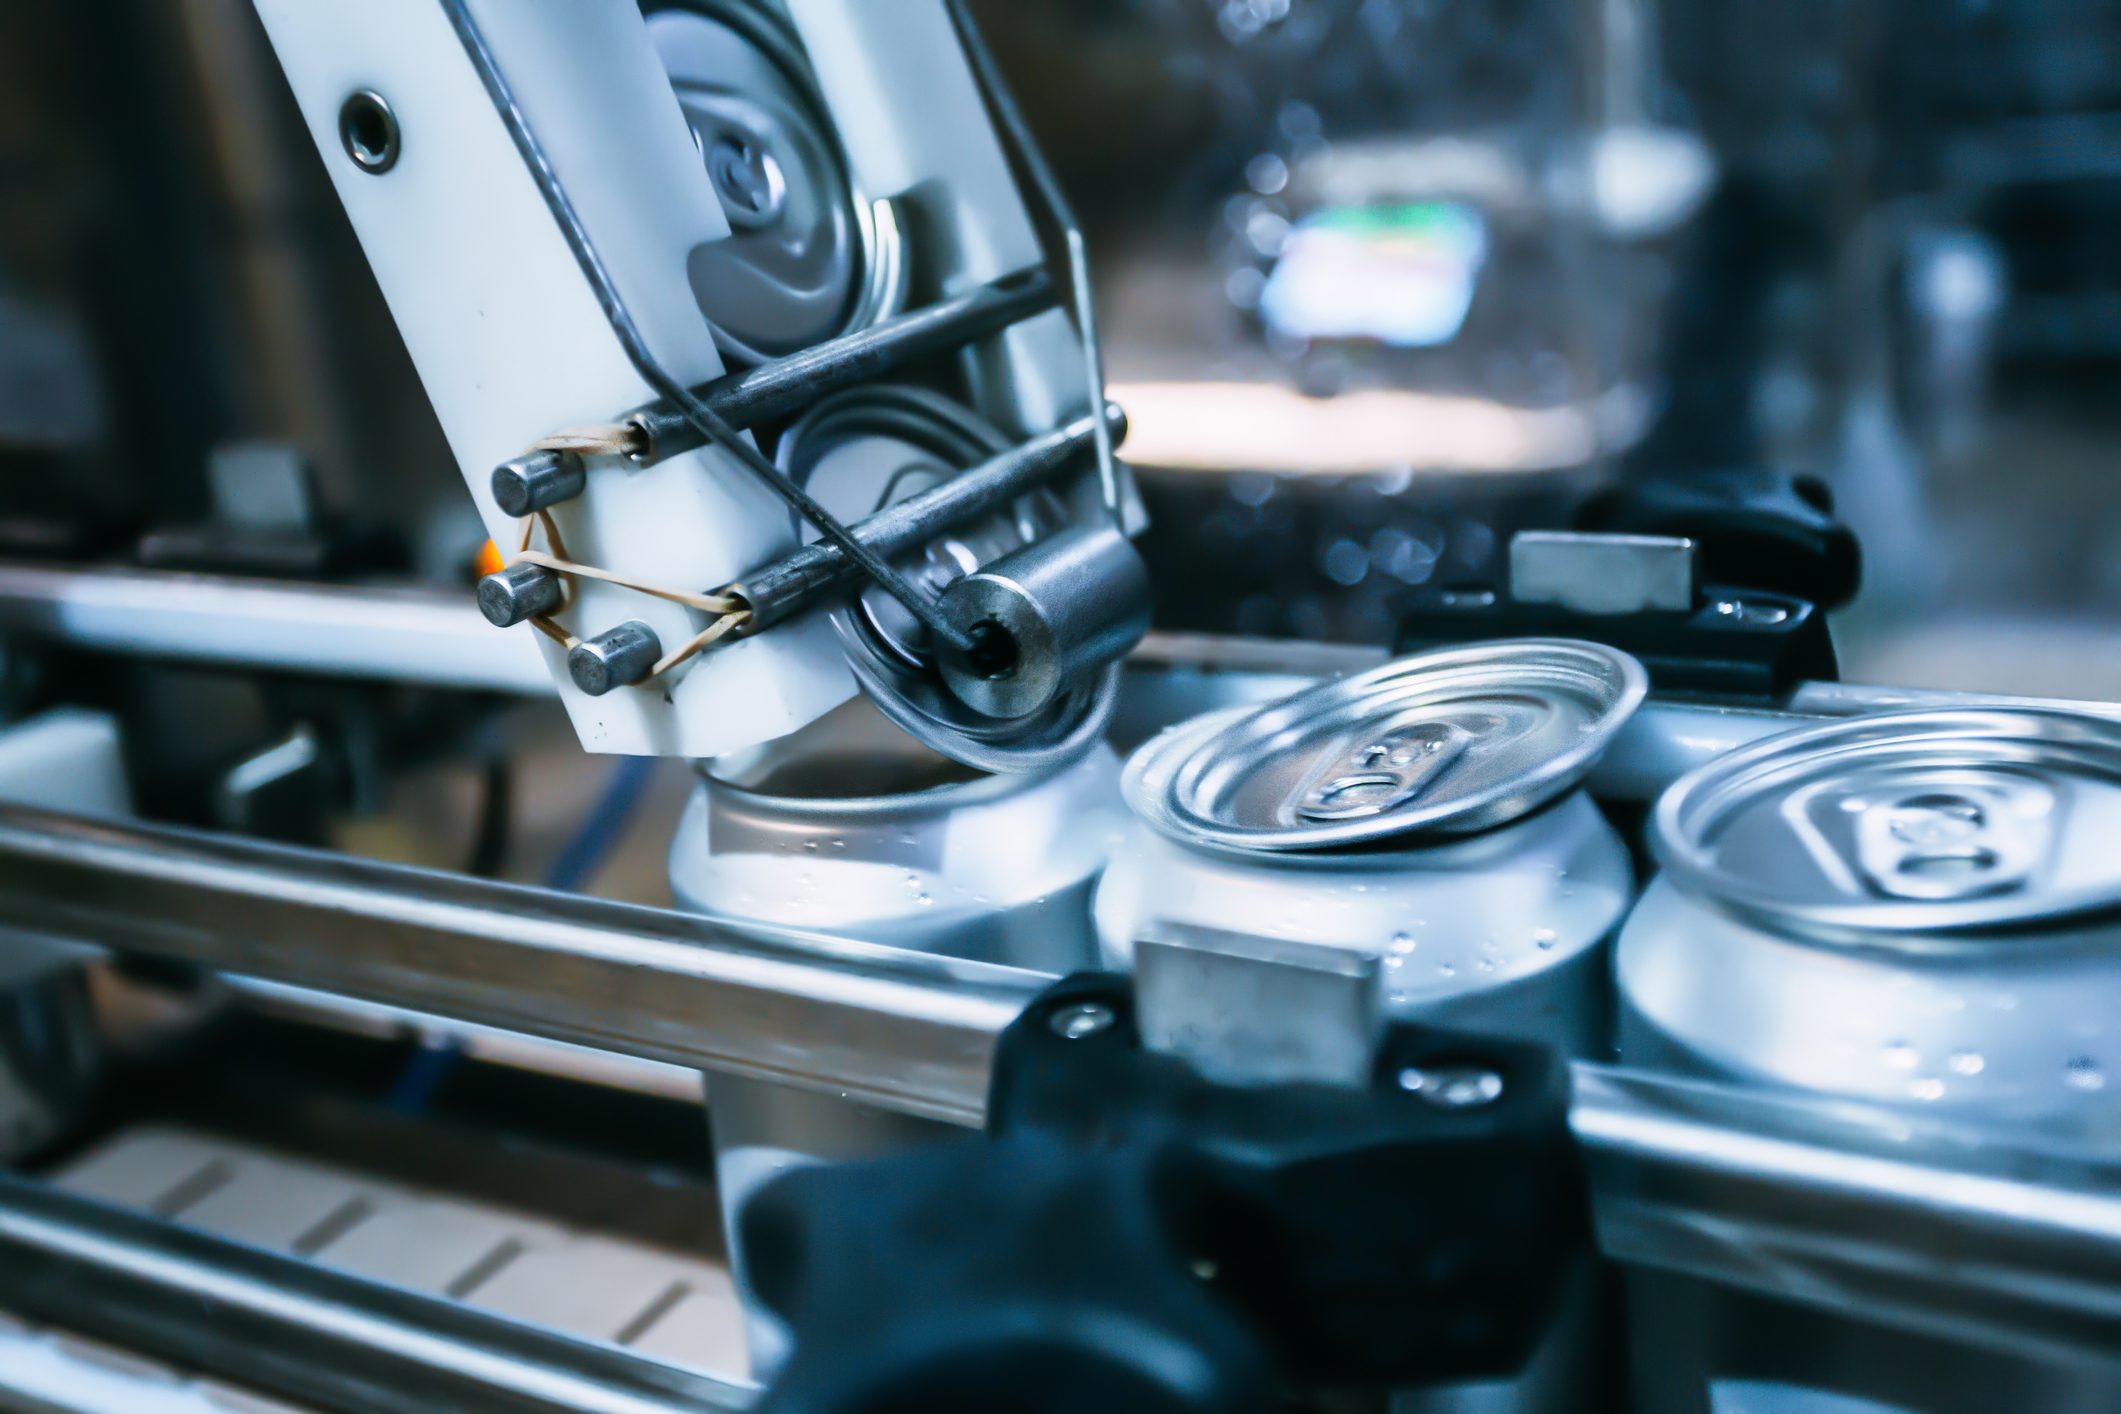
[(853, 828), (1919, 966), (1501, 932), (1497, 924)]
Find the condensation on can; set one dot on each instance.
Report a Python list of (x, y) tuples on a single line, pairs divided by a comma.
[(1918, 909), (853, 828), (1501, 928), (1495, 926)]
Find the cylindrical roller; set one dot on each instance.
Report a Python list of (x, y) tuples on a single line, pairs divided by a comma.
[(522, 591), (1044, 616), (537, 480), (618, 657)]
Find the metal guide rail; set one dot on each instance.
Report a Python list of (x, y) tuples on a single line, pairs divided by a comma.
[(1825, 1204)]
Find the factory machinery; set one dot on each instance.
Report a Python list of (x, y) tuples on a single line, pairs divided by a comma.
[(1276, 1071)]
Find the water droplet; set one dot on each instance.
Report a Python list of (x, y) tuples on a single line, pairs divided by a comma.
[(1395, 962), (1398, 998), (1444, 969), (924, 900), (810, 846), (1967, 1063), (1486, 964), (839, 844), (1929, 1088), (1544, 939), (1402, 943), (2084, 1074), (1899, 1055)]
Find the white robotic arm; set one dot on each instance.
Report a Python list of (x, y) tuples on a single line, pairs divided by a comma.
[(729, 181)]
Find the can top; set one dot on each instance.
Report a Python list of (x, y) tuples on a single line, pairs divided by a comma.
[(1905, 823), (1445, 742)]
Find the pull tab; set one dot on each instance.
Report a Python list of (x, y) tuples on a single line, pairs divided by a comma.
[(1381, 773), (1952, 843)]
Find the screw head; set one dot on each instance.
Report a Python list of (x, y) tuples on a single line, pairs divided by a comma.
[(616, 658), (537, 481), (509, 596), (1453, 1087), (1082, 1019)]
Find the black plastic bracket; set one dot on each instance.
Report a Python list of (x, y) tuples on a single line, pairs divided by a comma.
[(1128, 1235)]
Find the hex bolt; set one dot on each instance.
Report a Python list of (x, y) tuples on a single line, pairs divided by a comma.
[(1453, 1087), (523, 591), (538, 480), (1083, 1019), (618, 657)]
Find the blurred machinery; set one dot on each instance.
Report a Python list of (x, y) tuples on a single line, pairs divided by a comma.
[(369, 1041)]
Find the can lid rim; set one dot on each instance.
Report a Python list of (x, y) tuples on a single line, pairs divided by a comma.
[(1173, 783), (1997, 739)]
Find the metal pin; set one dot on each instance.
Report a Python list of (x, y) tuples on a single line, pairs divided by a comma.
[(618, 657), (538, 480), (520, 592)]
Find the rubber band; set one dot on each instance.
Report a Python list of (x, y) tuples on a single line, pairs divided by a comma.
[(730, 612), (592, 439)]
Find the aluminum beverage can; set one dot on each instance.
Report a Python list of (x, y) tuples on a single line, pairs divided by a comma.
[(809, 255), (1429, 814), (1918, 909), (851, 827)]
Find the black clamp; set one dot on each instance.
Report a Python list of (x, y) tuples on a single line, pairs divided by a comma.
[(1768, 560), (1130, 1236), (1762, 527)]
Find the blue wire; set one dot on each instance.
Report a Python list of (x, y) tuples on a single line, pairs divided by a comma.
[(606, 824), (577, 864)]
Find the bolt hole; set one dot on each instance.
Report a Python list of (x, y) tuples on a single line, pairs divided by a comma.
[(369, 132), (994, 651)]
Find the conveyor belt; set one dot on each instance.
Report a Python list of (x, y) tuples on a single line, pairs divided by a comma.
[(666, 1305)]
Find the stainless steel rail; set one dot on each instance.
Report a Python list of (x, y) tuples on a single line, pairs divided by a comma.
[(1872, 1213), (1865, 1212), (304, 1331), (424, 636), (909, 1031)]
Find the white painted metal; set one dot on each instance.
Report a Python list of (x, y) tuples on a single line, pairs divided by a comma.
[(510, 342), (916, 129)]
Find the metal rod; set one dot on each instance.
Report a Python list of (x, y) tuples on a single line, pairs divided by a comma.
[(786, 385), (1872, 1213), (1048, 187), (908, 1031), (1877, 1214), (398, 635), (703, 418), (779, 590), (304, 1331)]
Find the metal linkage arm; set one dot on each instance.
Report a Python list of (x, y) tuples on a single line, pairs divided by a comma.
[(787, 385), (777, 591)]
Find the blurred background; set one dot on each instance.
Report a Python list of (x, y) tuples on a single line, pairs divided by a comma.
[(1381, 282)]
